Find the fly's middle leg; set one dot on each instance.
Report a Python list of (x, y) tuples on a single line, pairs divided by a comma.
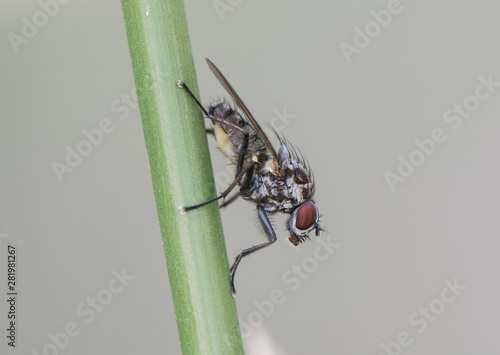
[(184, 209)]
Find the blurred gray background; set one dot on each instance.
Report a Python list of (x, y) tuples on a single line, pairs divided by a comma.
[(409, 263)]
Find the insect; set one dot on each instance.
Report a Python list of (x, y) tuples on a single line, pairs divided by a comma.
[(276, 181)]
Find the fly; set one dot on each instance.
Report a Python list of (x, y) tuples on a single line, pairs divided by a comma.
[(275, 181)]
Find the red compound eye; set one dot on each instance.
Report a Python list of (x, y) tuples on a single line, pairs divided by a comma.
[(307, 216)]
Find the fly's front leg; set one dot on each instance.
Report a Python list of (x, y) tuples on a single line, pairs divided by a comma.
[(270, 234)]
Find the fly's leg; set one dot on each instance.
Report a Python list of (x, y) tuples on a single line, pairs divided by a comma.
[(248, 178), (229, 201), (184, 209), (244, 147), (271, 236), (241, 154), (183, 85), (240, 171)]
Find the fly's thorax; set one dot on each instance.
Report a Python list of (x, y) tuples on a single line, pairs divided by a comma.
[(297, 178), (285, 188), (298, 181)]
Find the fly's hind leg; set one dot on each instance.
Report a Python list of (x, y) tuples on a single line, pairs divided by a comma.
[(244, 147), (183, 85)]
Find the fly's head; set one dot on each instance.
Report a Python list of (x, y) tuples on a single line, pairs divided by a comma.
[(304, 219)]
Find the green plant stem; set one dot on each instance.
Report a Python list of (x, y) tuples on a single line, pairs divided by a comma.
[(181, 171)]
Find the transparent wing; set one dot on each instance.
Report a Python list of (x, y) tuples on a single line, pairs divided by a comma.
[(225, 84)]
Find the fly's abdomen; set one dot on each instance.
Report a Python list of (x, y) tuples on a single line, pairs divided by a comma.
[(229, 139)]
